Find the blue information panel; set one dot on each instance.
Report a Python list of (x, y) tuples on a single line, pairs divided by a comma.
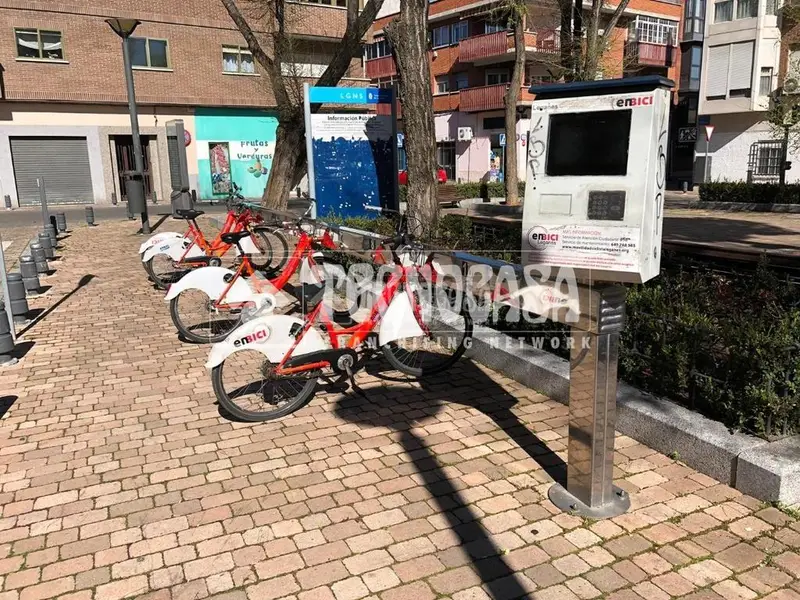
[(353, 155)]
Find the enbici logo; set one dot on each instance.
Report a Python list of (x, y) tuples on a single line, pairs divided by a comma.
[(539, 237), (257, 336)]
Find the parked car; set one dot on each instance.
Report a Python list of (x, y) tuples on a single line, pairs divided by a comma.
[(441, 176)]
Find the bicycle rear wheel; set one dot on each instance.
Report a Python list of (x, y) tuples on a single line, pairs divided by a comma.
[(198, 321), (266, 251), (449, 334), (247, 389)]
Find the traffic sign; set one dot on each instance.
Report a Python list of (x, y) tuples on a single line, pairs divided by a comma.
[(709, 131), (502, 139), (687, 135)]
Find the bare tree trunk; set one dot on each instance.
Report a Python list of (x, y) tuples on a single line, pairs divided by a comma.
[(512, 97), (408, 34), (565, 40), (289, 161)]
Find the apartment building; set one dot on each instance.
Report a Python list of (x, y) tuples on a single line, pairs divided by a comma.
[(743, 53), (64, 114), (471, 57)]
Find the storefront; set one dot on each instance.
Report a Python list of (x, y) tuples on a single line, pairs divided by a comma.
[(234, 146)]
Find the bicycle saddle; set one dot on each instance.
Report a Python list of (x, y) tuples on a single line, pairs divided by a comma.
[(233, 236), (188, 213)]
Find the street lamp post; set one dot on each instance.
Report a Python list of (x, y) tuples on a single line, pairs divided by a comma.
[(134, 181)]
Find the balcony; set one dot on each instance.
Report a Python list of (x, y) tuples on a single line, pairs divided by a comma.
[(501, 43), (377, 68), (446, 102), (488, 97), (647, 54)]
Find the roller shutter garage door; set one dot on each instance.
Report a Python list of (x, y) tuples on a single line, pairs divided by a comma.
[(63, 162)]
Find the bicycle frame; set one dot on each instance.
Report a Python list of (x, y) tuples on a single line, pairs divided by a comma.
[(359, 332), (234, 223)]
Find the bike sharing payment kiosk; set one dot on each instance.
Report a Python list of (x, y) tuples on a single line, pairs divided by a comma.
[(179, 196), (593, 207)]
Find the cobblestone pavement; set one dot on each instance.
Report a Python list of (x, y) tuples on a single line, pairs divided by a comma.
[(119, 479)]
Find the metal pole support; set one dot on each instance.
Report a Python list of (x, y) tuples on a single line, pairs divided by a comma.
[(7, 317), (6, 338), (592, 410)]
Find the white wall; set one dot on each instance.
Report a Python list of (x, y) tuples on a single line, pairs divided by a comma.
[(730, 146)]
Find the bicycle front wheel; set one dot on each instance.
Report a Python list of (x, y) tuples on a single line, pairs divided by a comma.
[(279, 249), (448, 334), (198, 320), (248, 390), (162, 271)]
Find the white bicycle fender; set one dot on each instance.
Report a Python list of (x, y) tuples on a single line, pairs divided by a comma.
[(269, 335), (159, 238), (249, 247), (211, 281), (399, 321), (310, 273), (174, 249)]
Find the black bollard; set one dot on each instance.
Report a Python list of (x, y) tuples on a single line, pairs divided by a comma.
[(47, 245), (130, 214), (30, 276), (39, 258), (18, 301), (61, 222), (6, 341), (8, 202), (89, 216)]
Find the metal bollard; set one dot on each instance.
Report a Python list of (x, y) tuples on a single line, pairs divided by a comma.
[(8, 202), (47, 245), (128, 208), (6, 341), (89, 215), (61, 222), (155, 197), (17, 299), (194, 198), (30, 276), (51, 231), (114, 198), (39, 258)]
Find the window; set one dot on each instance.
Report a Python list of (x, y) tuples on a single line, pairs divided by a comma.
[(765, 81), (746, 9), (41, 44), (378, 49), (497, 77), (771, 7), (765, 159), (441, 36), (237, 59), (654, 31), (730, 69), (461, 81), (460, 31), (694, 17), (442, 84), (149, 53), (723, 11), (388, 82), (493, 26), (575, 137), (690, 68), (446, 157)]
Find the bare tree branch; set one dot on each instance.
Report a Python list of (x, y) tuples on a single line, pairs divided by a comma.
[(612, 21)]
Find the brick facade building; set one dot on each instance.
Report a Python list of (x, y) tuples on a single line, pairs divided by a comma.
[(471, 61), (63, 115)]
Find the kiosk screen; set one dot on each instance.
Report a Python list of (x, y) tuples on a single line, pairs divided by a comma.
[(589, 143)]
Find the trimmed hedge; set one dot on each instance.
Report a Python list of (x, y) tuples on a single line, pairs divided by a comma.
[(750, 193), (473, 190), (726, 344)]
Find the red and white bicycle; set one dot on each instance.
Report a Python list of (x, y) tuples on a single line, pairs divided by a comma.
[(271, 365)]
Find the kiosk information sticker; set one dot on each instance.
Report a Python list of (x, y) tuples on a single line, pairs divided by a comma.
[(585, 246)]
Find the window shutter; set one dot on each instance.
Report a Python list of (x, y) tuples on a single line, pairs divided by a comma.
[(741, 77), (718, 61)]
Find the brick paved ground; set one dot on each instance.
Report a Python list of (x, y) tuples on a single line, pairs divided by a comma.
[(119, 479)]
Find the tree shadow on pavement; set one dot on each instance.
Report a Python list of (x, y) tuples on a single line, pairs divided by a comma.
[(389, 408)]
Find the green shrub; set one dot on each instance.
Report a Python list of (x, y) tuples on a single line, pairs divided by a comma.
[(750, 193), (472, 190)]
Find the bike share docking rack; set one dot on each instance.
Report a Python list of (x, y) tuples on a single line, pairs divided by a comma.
[(596, 316)]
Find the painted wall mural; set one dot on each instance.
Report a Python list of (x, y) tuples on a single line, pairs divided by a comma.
[(234, 145)]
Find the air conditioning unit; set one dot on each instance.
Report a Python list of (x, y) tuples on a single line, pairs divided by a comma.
[(791, 85), (464, 134)]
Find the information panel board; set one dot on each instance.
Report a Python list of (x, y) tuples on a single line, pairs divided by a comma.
[(352, 156)]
